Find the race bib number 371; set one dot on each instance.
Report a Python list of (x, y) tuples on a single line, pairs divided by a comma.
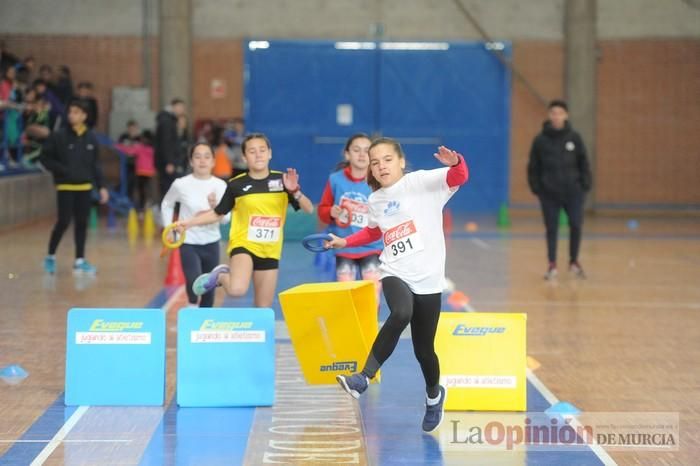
[(401, 241), (264, 229)]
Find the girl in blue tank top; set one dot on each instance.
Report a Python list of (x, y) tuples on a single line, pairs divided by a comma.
[(344, 206)]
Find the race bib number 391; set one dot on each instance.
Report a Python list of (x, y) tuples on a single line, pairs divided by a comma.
[(264, 229), (401, 241)]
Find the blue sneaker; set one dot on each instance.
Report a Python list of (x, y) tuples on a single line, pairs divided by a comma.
[(83, 267), (50, 265), (433, 414), (208, 281), (354, 384)]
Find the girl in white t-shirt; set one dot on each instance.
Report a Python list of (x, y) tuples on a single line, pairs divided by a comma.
[(405, 211), (198, 192)]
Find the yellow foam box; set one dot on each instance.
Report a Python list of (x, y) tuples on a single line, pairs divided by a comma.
[(332, 327), (483, 360)]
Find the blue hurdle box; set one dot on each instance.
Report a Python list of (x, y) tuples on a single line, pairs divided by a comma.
[(115, 357), (225, 357)]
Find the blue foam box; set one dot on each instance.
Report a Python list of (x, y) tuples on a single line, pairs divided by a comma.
[(225, 357), (115, 357)]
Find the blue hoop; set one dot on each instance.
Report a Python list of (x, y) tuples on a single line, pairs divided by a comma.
[(310, 241)]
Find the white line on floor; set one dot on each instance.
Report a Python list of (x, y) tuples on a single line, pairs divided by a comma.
[(60, 435)]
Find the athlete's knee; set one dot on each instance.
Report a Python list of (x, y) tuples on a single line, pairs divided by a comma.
[(344, 276), (400, 317), (372, 275), (345, 271), (236, 289)]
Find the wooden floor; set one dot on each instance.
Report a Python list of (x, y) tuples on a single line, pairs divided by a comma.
[(627, 339)]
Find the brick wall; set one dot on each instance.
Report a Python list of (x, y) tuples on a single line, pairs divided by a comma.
[(649, 122), (117, 61), (648, 148), (542, 64), (105, 61), (221, 60)]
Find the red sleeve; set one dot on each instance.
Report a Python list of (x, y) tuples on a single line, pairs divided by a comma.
[(126, 149), (458, 174), (365, 236), (324, 206)]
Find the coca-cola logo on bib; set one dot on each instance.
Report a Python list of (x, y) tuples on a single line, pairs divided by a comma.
[(399, 231), (265, 222), (354, 206)]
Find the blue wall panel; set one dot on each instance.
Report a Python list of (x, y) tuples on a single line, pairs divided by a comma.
[(459, 97)]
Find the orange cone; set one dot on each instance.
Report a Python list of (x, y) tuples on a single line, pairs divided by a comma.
[(174, 277), (458, 300)]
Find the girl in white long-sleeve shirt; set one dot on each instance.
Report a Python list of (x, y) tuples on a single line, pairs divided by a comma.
[(197, 192)]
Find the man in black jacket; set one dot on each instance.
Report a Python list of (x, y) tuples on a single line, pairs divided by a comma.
[(167, 149), (560, 176), (71, 155)]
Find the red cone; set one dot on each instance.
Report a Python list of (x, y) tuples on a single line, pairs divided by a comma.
[(174, 276)]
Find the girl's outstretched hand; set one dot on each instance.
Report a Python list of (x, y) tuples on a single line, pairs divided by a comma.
[(447, 156), (335, 243), (291, 180)]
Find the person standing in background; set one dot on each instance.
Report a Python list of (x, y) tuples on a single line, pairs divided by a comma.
[(559, 175), (167, 145), (71, 155), (64, 86), (182, 165), (85, 92)]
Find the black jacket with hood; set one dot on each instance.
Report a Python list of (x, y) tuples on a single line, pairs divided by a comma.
[(558, 165), (73, 158)]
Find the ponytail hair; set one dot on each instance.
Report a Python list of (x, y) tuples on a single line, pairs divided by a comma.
[(343, 164)]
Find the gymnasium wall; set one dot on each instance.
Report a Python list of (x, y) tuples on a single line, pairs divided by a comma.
[(648, 143), (344, 19)]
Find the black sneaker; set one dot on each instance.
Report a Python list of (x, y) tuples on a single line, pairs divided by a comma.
[(354, 384), (434, 414)]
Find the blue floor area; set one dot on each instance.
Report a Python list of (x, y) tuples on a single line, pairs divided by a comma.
[(391, 413), (45, 427), (207, 436)]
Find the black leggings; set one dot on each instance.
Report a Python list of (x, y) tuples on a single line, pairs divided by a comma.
[(72, 205), (196, 260), (573, 206), (422, 311), (142, 187)]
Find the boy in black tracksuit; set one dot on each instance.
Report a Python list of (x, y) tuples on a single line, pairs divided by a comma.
[(560, 176), (71, 155)]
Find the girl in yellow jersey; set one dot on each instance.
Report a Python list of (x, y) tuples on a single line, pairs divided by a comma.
[(259, 200)]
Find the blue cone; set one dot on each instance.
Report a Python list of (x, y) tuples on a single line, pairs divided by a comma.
[(563, 408), (13, 374)]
